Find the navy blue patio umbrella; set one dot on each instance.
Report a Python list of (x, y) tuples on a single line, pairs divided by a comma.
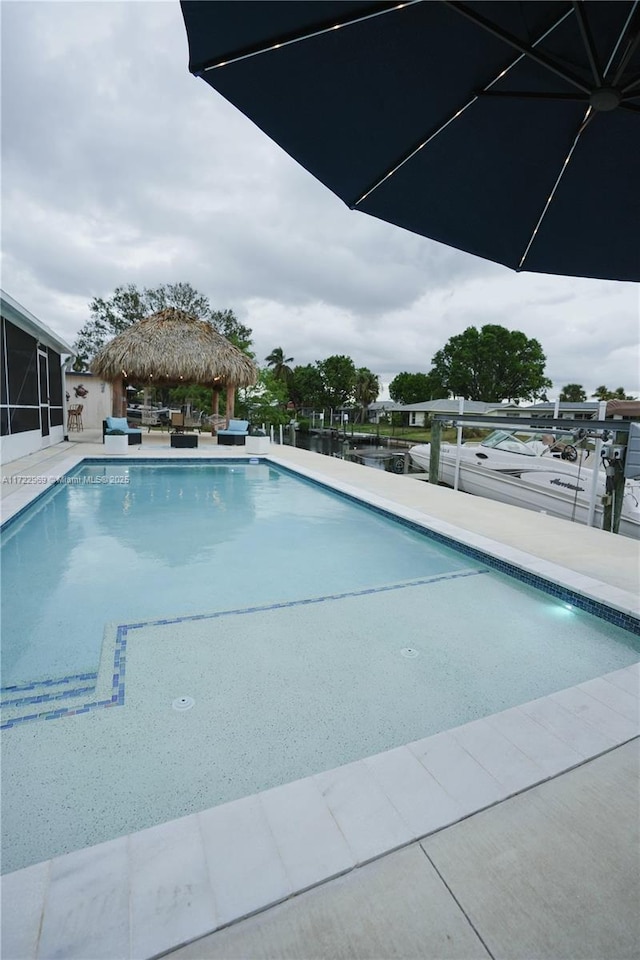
[(510, 130)]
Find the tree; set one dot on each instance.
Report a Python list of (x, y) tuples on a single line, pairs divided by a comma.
[(265, 401), (279, 364), (366, 389), (196, 394), (226, 323), (338, 377), (306, 387), (128, 305), (416, 388), (573, 393), (603, 393), (492, 364)]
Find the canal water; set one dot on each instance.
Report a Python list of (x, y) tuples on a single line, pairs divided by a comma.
[(369, 451)]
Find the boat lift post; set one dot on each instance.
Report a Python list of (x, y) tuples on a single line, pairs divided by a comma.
[(434, 456), (602, 410), (456, 475)]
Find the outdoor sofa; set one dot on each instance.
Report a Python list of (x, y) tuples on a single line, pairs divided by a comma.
[(111, 424), (236, 433)]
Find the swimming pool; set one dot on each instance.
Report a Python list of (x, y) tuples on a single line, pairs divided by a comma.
[(307, 629)]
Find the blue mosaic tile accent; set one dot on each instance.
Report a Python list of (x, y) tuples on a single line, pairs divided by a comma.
[(51, 682), (48, 697), (116, 698), (308, 601)]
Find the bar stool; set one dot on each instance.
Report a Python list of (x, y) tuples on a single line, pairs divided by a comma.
[(74, 418)]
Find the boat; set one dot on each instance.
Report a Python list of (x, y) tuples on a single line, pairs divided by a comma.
[(547, 475)]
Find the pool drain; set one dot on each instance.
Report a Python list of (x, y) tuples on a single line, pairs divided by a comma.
[(183, 703), (410, 652)]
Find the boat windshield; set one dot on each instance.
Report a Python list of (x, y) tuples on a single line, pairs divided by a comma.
[(503, 440)]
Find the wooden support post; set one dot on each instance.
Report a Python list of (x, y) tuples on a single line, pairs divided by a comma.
[(118, 398), (434, 451), (231, 399)]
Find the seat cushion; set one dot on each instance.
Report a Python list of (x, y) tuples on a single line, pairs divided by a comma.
[(238, 426), (118, 423)]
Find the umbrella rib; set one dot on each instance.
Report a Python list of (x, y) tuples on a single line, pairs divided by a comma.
[(408, 156), (587, 38), (528, 95), (527, 50), (286, 40), (588, 117), (627, 57), (630, 86), (414, 150), (618, 42)]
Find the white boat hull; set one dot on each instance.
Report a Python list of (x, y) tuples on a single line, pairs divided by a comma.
[(559, 489)]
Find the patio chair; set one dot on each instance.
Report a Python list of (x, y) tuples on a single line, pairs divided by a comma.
[(149, 418), (177, 422), (235, 434), (112, 424)]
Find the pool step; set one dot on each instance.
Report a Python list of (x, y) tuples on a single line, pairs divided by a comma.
[(24, 701)]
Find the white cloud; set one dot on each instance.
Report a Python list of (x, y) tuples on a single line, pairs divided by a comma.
[(119, 167)]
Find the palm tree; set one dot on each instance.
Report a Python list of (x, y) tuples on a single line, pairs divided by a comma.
[(573, 393), (366, 389), (603, 393), (280, 364)]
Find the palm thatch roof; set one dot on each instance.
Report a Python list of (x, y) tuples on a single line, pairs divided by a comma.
[(172, 347)]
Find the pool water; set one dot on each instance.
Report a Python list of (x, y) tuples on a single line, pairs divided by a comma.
[(304, 629), (178, 539)]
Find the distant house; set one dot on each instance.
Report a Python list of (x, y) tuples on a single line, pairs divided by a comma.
[(417, 414), (588, 410), (378, 411), (32, 402), (616, 409)]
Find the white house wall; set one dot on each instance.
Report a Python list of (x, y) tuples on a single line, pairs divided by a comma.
[(22, 444), (96, 405)]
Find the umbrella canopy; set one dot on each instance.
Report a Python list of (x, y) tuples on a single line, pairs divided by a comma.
[(508, 130), (171, 348)]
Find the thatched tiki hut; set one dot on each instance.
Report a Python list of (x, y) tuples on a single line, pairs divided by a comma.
[(170, 349)]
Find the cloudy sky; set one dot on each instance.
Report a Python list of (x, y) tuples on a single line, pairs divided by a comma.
[(120, 167)]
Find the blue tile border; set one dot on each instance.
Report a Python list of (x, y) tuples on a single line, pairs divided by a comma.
[(49, 682), (308, 601), (48, 697), (116, 698)]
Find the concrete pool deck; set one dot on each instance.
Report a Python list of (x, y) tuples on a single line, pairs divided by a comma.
[(142, 895)]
